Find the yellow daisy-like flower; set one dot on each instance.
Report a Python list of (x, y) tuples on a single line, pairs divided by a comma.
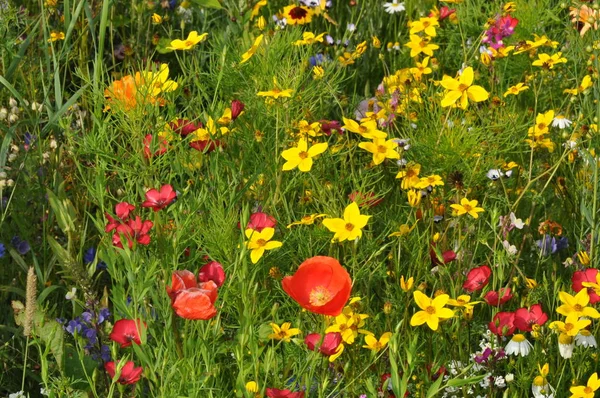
[(406, 285), (571, 326), (350, 227), (462, 90), (276, 92), (403, 230), (432, 311), (256, 8), (381, 149), (248, 54), (367, 129), (309, 38), (467, 206), (587, 391), (576, 305), (420, 45), (301, 156), (424, 24), (189, 43), (516, 89), (410, 176), (258, 242), (297, 15), (548, 61), (377, 345), (284, 332), (307, 220), (56, 36)]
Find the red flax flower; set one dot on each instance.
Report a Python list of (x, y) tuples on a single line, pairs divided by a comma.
[(526, 318), (589, 275), (330, 345), (162, 143), (493, 297), (126, 331), (213, 271), (477, 278), (160, 199), (503, 324), (192, 300), (122, 210), (133, 230), (275, 393), (129, 373), (259, 221), (447, 256), (185, 127), (320, 285)]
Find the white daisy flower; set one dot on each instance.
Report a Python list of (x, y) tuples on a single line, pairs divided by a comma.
[(565, 346), (544, 390), (561, 122), (586, 339), (494, 174), (518, 345), (393, 7)]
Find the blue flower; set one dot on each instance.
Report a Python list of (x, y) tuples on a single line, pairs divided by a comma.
[(2, 250), (550, 245), (90, 255), (74, 326), (87, 316), (103, 315), (21, 245)]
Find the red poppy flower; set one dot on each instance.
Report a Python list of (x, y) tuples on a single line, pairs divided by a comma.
[(129, 373), (126, 331), (328, 347), (526, 318), (197, 302), (589, 275), (275, 393), (133, 230), (160, 199), (493, 297), (259, 221), (185, 127), (366, 200), (237, 107), (320, 285), (477, 278), (213, 271), (503, 324), (181, 280), (163, 144)]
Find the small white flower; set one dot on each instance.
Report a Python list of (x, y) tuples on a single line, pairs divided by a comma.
[(413, 125), (517, 222), (18, 394), (494, 174), (12, 102), (561, 122), (13, 118), (70, 295), (499, 382), (393, 7), (3, 113), (586, 339), (45, 392), (36, 107), (511, 249), (509, 377), (565, 346), (508, 173), (518, 345), (351, 27), (543, 391), (10, 182)]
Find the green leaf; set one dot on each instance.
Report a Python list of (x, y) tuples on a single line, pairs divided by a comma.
[(207, 3), (462, 382), (434, 389)]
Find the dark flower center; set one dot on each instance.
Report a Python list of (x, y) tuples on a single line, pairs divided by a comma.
[(298, 13)]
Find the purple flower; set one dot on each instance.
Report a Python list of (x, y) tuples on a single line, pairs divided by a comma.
[(87, 316), (90, 255), (103, 315), (21, 245), (2, 250), (550, 245), (483, 357), (74, 326), (105, 353)]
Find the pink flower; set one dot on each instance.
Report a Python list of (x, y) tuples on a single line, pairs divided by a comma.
[(275, 393), (330, 344), (185, 127), (159, 199), (163, 144), (213, 271), (206, 146), (477, 278)]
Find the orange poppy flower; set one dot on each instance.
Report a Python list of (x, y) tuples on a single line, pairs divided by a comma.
[(181, 280), (320, 285), (197, 302)]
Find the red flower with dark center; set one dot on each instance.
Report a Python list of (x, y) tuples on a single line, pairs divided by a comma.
[(185, 127), (129, 373), (213, 271), (133, 230), (259, 221), (126, 331), (320, 285), (477, 278), (237, 107), (503, 324), (493, 297), (526, 318), (123, 209), (197, 303), (329, 126), (589, 275), (160, 199), (275, 393)]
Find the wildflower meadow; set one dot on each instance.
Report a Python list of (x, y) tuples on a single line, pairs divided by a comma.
[(307, 198)]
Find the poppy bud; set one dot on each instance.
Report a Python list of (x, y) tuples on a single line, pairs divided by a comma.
[(237, 107), (213, 271)]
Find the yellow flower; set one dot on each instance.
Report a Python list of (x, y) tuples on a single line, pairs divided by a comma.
[(509, 7), (350, 227), (429, 181), (585, 84), (376, 42), (301, 156), (366, 129), (284, 332), (381, 149), (156, 19), (403, 230), (424, 24), (297, 15), (571, 326), (432, 310), (410, 176), (276, 92), (467, 206), (420, 45), (463, 300), (530, 283), (189, 43), (309, 38), (462, 89), (377, 345), (576, 305), (584, 259), (548, 61), (318, 72), (414, 197), (343, 325), (55, 36), (588, 391), (252, 387), (256, 8), (155, 82), (407, 285), (248, 54), (516, 89), (258, 242), (421, 69), (307, 220), (261, 23)]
